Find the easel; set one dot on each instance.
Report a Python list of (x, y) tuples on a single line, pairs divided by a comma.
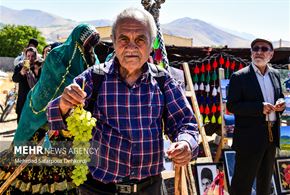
[(223, 140), (184, 181), (191, 93)]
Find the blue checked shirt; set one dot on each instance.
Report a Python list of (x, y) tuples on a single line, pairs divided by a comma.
[(129, 124)]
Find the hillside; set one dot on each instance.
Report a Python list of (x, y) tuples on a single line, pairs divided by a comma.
[(32, 17), (203, 34)]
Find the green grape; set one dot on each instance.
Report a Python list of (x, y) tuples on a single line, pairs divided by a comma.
[(88, 115)]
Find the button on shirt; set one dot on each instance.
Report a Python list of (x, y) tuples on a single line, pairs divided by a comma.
[(267, 89), (129, 129)]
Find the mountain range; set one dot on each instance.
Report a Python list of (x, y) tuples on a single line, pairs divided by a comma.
[(203, 34), (285, 137)]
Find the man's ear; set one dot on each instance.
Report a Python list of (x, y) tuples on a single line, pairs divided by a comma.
[(272, 54)]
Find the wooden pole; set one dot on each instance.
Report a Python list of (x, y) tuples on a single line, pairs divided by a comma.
[(180, 181), (223, 109)]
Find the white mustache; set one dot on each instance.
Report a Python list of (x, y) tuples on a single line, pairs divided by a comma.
[(131, 54)]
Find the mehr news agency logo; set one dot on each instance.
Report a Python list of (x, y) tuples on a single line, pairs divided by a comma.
[(65, 154)]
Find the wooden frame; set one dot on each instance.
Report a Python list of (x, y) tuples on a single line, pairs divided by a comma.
[(282, 166), (223, 140), (229, 164), (204, 175), (285, 138)]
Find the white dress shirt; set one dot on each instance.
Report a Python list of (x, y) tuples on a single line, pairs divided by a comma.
[(267, 89)]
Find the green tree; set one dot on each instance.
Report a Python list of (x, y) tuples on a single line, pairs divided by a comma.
[(13, 39)]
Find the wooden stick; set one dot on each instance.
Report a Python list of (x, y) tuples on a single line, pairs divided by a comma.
[(177, 180), (190, 180), (83, 84), (21, 167), (180, 184), (223, 141), (183, 182)]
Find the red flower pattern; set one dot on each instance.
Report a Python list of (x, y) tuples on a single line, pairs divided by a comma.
[(287, 174)]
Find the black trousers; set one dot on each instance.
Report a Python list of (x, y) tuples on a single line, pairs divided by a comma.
[(251, 165), (93, 187)]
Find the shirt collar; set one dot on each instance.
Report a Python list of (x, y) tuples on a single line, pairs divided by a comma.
[(114, 69), (257, 71)]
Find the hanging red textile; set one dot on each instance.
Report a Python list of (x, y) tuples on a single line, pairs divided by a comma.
[(202, 68), (228, 63), (215, 64), (222, 60), (233, 65), (241, 66)]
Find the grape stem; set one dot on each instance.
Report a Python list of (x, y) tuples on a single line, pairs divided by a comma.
[(83, 85)]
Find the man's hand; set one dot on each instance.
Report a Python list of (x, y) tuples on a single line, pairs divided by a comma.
[(180, 153), (72, 95), (268, 108), (280, 105)]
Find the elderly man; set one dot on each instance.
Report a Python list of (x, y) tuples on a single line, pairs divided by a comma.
[(253, 97), (129, 109)]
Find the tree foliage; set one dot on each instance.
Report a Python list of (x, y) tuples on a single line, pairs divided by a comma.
[(13, 39)]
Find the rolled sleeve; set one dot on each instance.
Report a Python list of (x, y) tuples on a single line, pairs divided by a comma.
[(181, 122), (191, 141), (54, 117)]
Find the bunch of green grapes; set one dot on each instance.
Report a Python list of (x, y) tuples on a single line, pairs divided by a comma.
[(80, 174), (80, 124), (81, 153)]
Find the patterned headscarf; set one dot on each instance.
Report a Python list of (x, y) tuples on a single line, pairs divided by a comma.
[(62, 64)]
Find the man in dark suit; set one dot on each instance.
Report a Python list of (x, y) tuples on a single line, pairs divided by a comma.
[(255, 99)]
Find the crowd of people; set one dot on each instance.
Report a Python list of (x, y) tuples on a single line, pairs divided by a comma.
[(134, 106), (27, 70)]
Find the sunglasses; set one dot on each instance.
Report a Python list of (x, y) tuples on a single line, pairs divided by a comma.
[(263, 49)]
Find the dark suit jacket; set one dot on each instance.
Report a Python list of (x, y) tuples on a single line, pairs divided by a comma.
[(245, 100)]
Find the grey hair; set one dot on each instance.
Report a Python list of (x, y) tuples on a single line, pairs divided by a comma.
[(139, 15)]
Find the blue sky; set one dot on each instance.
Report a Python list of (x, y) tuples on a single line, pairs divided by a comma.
[(269, 19)]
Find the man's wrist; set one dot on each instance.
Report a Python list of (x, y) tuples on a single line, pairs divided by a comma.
[(188, 144), (65, 114)]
